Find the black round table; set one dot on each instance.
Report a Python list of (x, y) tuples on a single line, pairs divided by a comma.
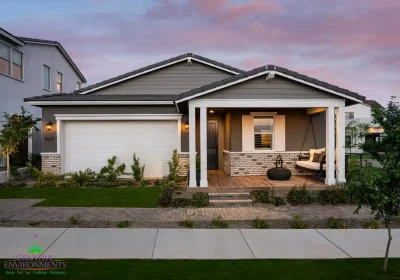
[(279, 174)]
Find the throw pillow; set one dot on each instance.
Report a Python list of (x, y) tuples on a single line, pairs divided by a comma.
[(316, 157), (323, 158)]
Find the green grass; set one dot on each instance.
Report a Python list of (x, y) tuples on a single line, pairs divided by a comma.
[(364, 269), (59, 197)]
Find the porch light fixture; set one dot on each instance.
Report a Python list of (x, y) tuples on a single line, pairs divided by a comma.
[(186, 126), (211, 111), (49, 126)]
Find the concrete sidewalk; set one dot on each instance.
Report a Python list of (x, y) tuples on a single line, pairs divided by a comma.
[(110, 243)]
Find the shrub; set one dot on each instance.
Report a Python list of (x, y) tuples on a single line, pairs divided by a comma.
[(200, 199), (33, 170), (33, 223), (181, 202), (81, 178), (167, 192), (123, 224), (277, 201), (137, 169), (219, 223), (335, 223), (145, 183), (35, 160), (109, 172), (373, 224), (261, 224), (298, 223), (174, 167), (296, 197), (73, 220), (260, 196), (333, 197), (47, 180), (102, 183), (186, 224), (15, 174)]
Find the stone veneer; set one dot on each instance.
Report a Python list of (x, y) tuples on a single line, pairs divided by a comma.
[(247, 164), (51, 163), (183, 160)]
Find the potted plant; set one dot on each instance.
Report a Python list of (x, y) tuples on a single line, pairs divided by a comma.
[(197, 170)]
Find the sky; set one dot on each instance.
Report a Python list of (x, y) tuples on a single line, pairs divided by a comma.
[(354, 44)]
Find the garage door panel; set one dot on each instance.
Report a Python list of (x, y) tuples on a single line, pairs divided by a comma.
[(90, 144)]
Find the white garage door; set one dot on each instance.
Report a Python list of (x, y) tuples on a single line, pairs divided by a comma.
[(88, 144)]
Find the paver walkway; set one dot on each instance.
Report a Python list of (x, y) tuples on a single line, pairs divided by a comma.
[(20, 209), (101, 243)]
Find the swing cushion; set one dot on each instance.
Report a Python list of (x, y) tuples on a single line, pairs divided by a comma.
[(312, 151), (310, 165)]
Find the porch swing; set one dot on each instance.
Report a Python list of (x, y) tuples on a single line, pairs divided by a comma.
[(305, 162)]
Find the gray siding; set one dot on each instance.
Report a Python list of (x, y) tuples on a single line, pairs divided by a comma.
[(174, 79), (278, 88), (49, 112), (296, 123)]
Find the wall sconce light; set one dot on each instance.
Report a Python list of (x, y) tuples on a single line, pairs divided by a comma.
[(186, 126), (49, 126), (211, 111)]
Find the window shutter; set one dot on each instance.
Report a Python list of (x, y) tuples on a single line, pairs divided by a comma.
[(279, 141), (247, 133)]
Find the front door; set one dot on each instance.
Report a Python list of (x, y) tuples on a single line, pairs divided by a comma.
[(212, 145)]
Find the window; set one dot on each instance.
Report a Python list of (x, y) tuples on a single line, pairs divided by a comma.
[(349, 115), (46, 77), (17, 64), (263, 132), (348, 141), (8, 54), (59, 82), (78, 85)]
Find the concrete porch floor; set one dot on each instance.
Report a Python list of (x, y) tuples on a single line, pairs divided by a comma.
[(218, 181)]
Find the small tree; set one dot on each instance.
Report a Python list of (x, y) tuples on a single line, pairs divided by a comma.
[(174, 167), (16, 129), (379, 187), (110, 172), (137, 169), (357, 132)]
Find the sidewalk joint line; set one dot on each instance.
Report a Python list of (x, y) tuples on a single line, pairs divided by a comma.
[(333, 243), (154, 247), (55, 240), (247, 243)]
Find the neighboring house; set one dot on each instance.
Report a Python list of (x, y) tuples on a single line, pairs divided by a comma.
[(362, 114), (33, 67), (240, 120)]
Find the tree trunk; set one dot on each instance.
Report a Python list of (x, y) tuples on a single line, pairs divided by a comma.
[(8, 167), (387, 249)]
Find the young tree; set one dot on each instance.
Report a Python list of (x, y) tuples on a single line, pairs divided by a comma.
[(379, 187), (16, 129), (357, 132)]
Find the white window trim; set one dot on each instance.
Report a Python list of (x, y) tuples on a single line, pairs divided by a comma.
[(12, 64), (267, 103), (49, 78), (61, 84)]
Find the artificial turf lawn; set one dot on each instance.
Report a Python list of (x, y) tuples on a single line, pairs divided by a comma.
[(146, 197), (236, 269)]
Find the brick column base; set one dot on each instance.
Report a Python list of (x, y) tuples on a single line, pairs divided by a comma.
[(51, 163), (248, 164), (183, 164)]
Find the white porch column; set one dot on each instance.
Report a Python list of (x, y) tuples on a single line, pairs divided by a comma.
[(330, 146), (340, 145), (203, 147), (192, 147)]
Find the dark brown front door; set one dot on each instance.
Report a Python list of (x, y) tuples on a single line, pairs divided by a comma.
[(212, 145)]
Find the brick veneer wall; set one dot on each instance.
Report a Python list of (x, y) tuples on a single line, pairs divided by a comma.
[(51, 163), (183, 164), (247, 164)]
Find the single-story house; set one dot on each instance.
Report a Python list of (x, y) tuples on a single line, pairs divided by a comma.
[(241, 120)]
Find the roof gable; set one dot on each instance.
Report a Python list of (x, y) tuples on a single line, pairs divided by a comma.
[(189, 57)]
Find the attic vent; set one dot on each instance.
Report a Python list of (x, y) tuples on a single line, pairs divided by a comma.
[(270, 76), (189, 61)]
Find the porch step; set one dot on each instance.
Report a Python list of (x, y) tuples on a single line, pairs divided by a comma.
[(230, 199)]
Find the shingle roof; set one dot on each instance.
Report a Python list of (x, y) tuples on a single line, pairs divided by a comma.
[(274, 68), (371, 102), (155, 65), (58, 44), (95, 97)]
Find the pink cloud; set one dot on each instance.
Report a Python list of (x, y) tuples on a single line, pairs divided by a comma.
[(241, 10), (209, 6)]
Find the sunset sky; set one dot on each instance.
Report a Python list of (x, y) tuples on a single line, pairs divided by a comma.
[(353, 44)]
